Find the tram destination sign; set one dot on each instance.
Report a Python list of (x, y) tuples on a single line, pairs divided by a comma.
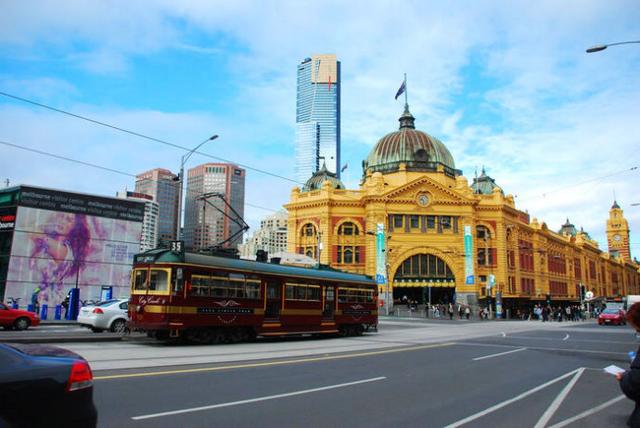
[(54, 200)]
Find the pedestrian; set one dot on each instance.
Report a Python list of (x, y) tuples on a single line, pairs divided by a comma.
[(485, 313), (467, 312), (34, 299), (450, 311), (630, 380)]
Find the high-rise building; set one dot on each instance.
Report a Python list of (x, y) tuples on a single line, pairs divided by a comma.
[(208, 220), (271, 237), (162, 185), (149, 237), (317, 116), (618, 233)]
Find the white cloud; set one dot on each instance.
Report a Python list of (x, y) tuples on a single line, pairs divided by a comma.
[(557, 115)]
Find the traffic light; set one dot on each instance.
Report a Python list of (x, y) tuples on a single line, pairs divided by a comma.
[(583, 290), (549, 299)]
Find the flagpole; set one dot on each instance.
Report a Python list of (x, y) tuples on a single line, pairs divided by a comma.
[(406, 103)]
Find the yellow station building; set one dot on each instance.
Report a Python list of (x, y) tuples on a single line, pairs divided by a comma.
[(412, 190)]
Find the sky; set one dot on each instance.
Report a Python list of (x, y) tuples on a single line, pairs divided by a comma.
[(505, 85)]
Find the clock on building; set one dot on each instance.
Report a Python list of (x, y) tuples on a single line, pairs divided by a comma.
[(423, 200), (616, 237)]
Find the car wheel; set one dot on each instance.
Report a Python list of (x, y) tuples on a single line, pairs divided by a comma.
[(96, 330), (118, 326), (21, 323)]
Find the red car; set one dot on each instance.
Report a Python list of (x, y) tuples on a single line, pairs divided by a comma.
[(612, 316), (16, 318)]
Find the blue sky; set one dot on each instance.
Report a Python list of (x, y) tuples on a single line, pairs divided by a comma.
[(507, 86)]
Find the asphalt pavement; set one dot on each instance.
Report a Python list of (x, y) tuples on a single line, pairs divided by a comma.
[(515, 376)]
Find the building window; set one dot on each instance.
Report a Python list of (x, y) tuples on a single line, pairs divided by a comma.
[(431, 222), (415, 221), (397, 220), (308, 230), (482, 232), (348, 229), (446, 222), (348, 254)]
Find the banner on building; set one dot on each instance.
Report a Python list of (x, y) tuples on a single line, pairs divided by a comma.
[(381, 269), (468, 256)]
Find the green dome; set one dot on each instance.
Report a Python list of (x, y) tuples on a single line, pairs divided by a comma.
[(418, 150), (319, 177)]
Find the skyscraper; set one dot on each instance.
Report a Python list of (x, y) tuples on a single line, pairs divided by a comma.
[(205, 225), (149, 237), (161, 184), (317, 116)]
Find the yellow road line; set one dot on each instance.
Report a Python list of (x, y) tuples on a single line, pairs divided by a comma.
[(272, 363)]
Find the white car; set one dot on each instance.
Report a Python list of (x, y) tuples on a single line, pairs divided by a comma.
[(108, 315)]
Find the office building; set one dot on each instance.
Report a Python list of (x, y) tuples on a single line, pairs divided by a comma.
[(209, 222), (271, 237), (163, 186), (149, 236), (317, 135)]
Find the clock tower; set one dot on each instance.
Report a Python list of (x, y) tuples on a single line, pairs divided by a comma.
[(618, 233)]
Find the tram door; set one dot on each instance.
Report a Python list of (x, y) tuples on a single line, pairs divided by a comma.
[(329, 302), (274, 299)]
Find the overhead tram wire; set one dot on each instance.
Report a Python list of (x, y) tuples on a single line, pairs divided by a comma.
[(97, 122), (146, 137), (92, 165)]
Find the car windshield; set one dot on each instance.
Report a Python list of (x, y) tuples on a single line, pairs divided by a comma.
[(610, 311), (106, 302)]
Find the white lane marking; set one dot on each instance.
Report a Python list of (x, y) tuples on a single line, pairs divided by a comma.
[(509, 401), (254, 400), (555, 405), (497, 355), (566, 337), (588, 412)]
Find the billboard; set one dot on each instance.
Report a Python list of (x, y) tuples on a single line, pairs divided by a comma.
[(53, 251)]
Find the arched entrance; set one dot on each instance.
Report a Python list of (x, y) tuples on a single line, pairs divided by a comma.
[(423, 278)]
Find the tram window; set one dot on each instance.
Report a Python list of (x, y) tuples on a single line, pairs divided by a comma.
[(355, 295), (140, 280), (200, 285), (252, 287), (159, 280), (302, 292)]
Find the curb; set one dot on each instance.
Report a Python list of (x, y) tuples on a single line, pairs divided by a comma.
[(60, 339)]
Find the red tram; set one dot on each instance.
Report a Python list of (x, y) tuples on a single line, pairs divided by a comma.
[(211, 299)]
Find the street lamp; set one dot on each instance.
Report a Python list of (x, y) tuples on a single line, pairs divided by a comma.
[(181, 183), (598, 48)]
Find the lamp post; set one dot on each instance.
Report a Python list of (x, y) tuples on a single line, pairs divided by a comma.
[(598, 48), (181, 183)]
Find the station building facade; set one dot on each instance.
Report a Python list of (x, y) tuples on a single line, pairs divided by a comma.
[(447, 240)]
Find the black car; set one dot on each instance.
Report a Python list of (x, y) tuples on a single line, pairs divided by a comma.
[(43, 385)]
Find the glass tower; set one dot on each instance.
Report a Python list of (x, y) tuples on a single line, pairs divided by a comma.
[(318, 116)]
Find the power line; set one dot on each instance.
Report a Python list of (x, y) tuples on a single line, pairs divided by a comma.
[(146, 137), (116, 171)]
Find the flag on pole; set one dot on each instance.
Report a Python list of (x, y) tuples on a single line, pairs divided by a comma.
[(329, 82), (344, 167), (402, 88)]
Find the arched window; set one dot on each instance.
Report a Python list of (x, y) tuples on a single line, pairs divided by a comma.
[(483, 232), (308, 230), (348, 255), (424, 266), (348, 228), (310, 253)]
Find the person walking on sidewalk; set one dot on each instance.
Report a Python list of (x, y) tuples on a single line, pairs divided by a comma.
[(630, 380), (467, 312), (451, 311)]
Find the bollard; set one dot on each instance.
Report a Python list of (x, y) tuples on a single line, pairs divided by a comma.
[(30, 307), (43, 311), (58, 314)]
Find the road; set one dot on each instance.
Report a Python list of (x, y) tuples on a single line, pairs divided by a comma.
[(413, 373)]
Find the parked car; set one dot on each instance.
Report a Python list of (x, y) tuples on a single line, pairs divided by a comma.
[(107, 315), (16, 318), (612, 316), (43, 385)]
